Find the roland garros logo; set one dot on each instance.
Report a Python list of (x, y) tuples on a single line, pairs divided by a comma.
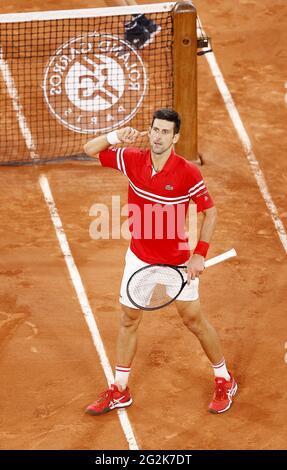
[(95, 83)]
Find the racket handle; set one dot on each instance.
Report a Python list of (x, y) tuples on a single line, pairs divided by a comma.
[(220, 258)]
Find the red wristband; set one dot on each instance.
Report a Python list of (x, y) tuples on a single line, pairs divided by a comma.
[(201, 248)]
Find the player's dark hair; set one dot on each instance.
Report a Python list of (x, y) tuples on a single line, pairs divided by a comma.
[(168, 114)]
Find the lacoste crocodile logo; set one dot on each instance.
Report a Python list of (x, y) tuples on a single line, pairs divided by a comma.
[(169, 187)]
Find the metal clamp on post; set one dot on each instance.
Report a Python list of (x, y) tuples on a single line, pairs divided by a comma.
[(203, 41)]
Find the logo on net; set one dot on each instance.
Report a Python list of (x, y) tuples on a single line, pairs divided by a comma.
[(94, 83)]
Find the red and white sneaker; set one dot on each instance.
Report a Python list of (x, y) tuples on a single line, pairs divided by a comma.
[(109, 400), (223, 394)]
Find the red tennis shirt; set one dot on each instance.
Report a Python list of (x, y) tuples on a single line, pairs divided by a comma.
[(158, 202)]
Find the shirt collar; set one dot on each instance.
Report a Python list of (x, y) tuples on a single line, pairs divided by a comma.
[(168, 164)]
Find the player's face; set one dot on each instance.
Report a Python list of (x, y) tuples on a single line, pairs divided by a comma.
[(161, 136)]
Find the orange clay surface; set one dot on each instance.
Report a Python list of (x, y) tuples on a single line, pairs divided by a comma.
[(49, 366)]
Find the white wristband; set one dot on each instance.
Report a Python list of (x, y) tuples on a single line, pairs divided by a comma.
[(112, 138)]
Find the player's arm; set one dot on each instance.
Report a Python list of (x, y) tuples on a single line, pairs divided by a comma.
[(195, 264), (208, 225), (126, 135)]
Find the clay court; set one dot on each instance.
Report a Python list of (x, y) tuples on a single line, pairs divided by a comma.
[(49, 365)]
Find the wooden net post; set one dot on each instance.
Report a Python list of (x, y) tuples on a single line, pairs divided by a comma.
[(185, 76)]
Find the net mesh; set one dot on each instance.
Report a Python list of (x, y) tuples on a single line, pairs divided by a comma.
[(66, 80)]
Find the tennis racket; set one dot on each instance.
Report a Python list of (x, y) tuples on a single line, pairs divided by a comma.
[(157, 285)]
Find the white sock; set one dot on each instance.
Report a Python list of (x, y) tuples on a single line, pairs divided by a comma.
[(122, 376), (220, 370)]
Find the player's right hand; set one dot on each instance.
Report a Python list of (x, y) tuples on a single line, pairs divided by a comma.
[(129, 135), (195, 267)]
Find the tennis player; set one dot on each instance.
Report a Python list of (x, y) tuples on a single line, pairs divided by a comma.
[(159, 178)]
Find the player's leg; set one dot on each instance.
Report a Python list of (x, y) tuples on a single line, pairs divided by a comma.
[(126, 344), (198, 324), (129, 322), (118, 395)]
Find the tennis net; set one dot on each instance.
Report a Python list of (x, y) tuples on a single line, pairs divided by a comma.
[(69, 75)]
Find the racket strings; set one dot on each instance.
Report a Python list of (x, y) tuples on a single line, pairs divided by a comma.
[(153, 287)]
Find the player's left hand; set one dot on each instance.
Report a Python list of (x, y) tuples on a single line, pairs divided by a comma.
[(195, 267)]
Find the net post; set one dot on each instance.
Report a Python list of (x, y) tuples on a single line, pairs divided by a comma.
[(185, 76)]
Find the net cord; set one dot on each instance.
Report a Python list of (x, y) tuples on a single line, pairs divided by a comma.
[(86, 13)]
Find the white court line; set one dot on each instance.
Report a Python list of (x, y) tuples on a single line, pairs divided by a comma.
[(72, 268), (244, 138), (12, 90)]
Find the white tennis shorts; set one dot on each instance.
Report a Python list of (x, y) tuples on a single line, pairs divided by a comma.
[(133, 263)]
